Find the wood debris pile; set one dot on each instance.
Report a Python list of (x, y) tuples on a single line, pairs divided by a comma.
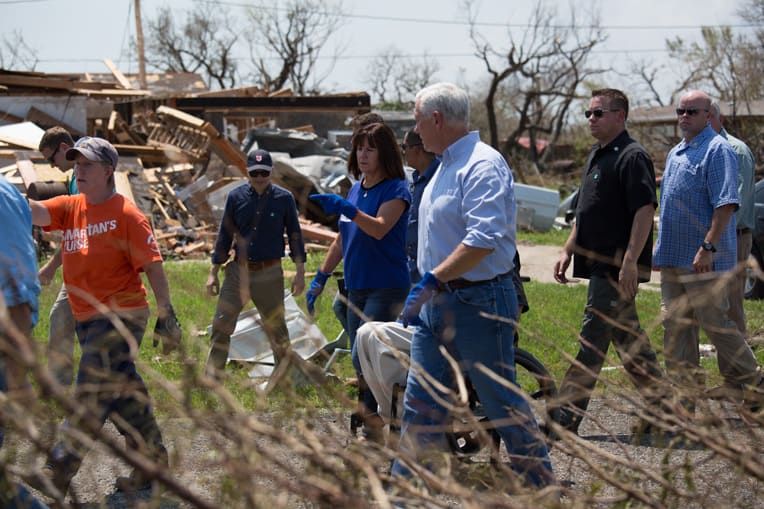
[(177, 168)]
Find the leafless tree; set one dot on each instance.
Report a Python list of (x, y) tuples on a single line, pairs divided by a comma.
[(721, 63), (395, 78), (286, 43), (536, 78), (16, 54), (204, 43)]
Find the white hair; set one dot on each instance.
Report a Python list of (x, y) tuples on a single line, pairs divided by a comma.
[(451, 101)]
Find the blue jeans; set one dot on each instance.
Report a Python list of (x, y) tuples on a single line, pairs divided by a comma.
[(380, 305), (453, 319), (108, 383)]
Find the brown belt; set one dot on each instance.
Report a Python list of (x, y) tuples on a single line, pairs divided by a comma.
[(263, 264), (457, 284), (742, 231)]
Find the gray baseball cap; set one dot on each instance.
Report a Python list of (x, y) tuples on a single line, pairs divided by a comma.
[(94, 149)]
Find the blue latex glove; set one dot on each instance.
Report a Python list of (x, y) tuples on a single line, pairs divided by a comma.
[(418, 295), (335, 204), (316, 287)]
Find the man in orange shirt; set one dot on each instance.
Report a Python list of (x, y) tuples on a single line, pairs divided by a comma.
[(106, 243)]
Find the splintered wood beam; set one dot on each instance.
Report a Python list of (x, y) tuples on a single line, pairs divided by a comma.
[(122, 184), (181, 116), (121, 78), (41, 118), (26, 170)]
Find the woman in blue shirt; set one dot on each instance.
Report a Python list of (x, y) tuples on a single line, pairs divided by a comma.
[(372, 242)]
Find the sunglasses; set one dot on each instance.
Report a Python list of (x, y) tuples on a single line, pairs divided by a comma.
[(597, 113), (52, 158), (259, 173), (690, 111), (405, 146)]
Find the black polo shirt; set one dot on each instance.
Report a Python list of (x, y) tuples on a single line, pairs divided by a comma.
[(618, 180)]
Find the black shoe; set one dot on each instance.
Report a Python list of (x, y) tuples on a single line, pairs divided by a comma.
[(753, 396), (136, 482), (52, 481), (646, 434)]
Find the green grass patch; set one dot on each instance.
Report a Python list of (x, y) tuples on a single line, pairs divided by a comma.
[(549, 331), (553, 237)]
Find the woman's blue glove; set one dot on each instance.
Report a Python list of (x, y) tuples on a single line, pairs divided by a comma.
[(418, 295), (335, 204), (316, 287)]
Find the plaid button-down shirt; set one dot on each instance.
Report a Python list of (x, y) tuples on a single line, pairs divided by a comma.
[(700, 176)]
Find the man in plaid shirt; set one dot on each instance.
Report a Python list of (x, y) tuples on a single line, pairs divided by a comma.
[(695, 252)]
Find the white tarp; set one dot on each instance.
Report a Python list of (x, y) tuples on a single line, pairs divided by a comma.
[(249, 343)]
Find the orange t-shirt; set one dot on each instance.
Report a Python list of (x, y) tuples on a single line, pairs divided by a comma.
[(104, 247)]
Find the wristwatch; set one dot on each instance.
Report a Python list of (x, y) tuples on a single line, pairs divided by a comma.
[(708, 246)]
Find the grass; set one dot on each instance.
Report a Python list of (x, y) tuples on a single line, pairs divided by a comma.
[(549, 331), (553, 237)]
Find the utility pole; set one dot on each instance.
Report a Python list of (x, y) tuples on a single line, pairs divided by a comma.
[(139, 40)]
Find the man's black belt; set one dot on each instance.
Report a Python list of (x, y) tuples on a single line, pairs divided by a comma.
[(742, 231), (458, 284)]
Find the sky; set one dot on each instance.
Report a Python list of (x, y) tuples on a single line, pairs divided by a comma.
[(76, 35)]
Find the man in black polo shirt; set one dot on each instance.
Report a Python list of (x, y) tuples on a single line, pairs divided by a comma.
[(255, 217), (612, 243)]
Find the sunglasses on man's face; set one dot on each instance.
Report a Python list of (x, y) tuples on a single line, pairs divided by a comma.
[(597, 113), (259, 173), (690, 111), (52, 158), (405, 146)]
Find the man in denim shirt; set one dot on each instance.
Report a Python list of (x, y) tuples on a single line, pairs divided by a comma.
[(696, 249), (467, 237)]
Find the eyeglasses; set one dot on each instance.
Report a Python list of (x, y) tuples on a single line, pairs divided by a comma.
[(405, 146), (259, 173), (52, 158), (597, 113), (690, 111)]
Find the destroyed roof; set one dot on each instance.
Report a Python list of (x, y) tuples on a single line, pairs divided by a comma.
[(108, 84)]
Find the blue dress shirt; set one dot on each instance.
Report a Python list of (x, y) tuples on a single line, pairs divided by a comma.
[(471, 201)]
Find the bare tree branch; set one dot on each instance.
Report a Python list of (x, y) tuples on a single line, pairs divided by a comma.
[(204, 44), (535, 79), (287, 42), (16, 54)]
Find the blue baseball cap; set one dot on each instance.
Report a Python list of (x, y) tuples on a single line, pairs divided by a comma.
[(259, 159), (94, 149)]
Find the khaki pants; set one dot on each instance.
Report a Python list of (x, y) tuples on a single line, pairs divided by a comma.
[(690, 301), (266, 289), (736, 293)]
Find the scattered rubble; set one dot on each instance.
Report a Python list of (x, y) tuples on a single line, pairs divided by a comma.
[(178, 170)]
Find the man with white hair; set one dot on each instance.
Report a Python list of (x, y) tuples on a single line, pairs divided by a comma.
[(466, 301)]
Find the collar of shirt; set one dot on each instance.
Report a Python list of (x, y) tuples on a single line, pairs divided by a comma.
[(428, 172), (459, 147), (253, 191), (698, 140), (616, 144)]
